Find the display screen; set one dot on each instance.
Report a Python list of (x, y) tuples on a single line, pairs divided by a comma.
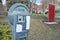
[(20, 9)]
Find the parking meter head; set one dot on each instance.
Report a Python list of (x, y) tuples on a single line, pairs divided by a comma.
[(17, 9), (19, 17)]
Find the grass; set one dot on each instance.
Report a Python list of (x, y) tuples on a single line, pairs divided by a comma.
[(38, 16)]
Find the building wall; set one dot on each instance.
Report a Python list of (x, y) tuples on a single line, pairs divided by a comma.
[(46, 3)]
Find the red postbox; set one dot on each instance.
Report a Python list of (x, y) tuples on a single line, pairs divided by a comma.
[(51, 13)]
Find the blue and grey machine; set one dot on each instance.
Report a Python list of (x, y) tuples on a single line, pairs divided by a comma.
[(19, 18)]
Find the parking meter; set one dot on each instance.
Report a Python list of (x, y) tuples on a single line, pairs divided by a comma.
[(19, 18)]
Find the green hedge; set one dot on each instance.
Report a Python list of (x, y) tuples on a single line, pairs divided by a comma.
[(5, 32)]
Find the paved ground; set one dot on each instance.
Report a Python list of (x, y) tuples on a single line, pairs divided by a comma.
[(42, 31)]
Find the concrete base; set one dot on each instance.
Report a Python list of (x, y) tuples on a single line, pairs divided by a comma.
[(51, 22)]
